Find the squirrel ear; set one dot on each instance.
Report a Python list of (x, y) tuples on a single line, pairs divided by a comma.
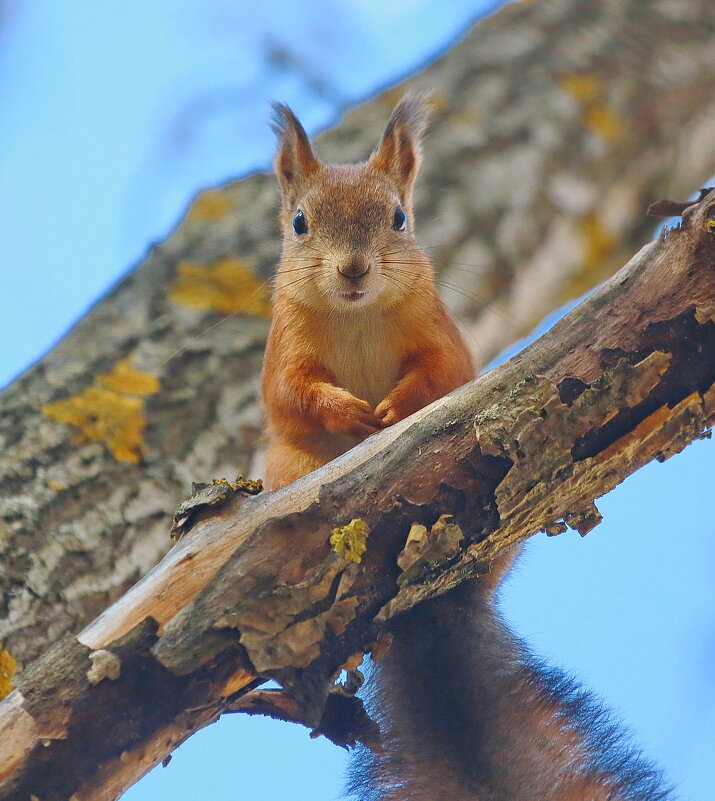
[(399, 152), (294, 160)]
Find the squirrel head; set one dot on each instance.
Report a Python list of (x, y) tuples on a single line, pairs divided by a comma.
[(348, 236)]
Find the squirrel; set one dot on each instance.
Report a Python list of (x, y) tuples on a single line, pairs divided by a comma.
[(359, 340), (359, 337)]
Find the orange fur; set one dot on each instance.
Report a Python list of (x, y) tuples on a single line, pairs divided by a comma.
[(360, 338)]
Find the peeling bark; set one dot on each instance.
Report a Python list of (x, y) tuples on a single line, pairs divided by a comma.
[(259, 589), (556, 123)]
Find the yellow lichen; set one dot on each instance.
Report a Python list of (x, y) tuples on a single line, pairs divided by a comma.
[(600, 242), (8, 666), (57, 486), (597, 115), (126, 380), (584, 86), (227, 286), (601, 120), (109, 410), (252, 486), (350, 541), (210, 206), (600, 246)]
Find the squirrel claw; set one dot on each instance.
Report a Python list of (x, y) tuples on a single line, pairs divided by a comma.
[(387, 413), (354, 417)]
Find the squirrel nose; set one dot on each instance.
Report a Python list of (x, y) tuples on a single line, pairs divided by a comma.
[(354, 269)]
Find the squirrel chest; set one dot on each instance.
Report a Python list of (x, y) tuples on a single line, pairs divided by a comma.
[(360, 354)]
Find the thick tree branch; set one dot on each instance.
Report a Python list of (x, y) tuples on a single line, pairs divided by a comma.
[(273, 586), (556, 123)]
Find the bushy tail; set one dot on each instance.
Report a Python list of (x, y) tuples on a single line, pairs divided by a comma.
[(468, 714)]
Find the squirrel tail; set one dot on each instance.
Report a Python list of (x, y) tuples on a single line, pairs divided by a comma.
[(468, 714)]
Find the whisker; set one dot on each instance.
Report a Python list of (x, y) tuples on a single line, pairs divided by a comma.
[(467, 267), (505, 315), (227, 317), (397, 282), (450, 264), (465, 328), (400, 252), (291, 283), (213, 327), (298, 269)]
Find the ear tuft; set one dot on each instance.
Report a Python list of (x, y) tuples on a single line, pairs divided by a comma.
[(294, 159), (412, 113), (399, 152)]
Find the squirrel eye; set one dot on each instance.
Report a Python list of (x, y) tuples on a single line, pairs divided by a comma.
[(300, 224), (399, 221)]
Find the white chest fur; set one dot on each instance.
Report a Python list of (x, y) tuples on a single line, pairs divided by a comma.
[(362, 358)]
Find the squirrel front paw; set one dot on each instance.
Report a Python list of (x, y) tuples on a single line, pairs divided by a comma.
[(391, 410), (343, 413)]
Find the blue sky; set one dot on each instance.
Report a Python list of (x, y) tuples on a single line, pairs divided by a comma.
[(112, 116)]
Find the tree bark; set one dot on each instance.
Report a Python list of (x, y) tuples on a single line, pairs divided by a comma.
[(291, 584), (555, 124)]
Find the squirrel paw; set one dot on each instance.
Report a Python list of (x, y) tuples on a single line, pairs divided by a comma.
[(343, 413), (389, 411)]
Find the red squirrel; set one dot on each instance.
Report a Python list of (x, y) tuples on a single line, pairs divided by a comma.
[(360, 340)]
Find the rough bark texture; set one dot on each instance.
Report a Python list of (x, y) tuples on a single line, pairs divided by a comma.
[(291, 584), (556, 124)]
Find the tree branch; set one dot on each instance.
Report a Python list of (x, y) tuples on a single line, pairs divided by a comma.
[(274, 586), (556, 123)]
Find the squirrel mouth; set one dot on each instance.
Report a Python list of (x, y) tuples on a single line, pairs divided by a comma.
[(354, 295)]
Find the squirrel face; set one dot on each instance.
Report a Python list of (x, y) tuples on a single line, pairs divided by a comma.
[(348, 240)]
